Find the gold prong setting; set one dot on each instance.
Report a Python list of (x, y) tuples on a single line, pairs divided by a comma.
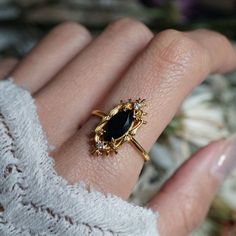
[(130, 108)]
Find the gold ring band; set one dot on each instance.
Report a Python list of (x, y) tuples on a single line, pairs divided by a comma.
[(98, 113), (139, 148), (118, 126)]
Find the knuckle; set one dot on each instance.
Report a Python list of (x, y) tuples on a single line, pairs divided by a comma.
[(222, 41), (131, 26), (169, 34), (72, 29), (175, 48), (217, 36)]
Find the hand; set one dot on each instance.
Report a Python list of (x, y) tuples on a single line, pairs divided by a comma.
[(69, 74)]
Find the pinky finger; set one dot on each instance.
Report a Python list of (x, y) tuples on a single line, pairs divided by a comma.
[(6, 66), (184, 200)]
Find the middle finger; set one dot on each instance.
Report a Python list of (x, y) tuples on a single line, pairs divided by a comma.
[(67, 101)]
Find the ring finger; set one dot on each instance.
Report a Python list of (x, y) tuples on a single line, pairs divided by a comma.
[(164, 74)]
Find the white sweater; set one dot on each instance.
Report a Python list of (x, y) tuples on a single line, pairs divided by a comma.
[(34, 200)]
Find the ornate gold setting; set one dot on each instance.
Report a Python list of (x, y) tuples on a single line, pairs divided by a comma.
[(101, 146)]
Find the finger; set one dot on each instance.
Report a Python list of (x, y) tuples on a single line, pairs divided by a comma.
[(83, 82), (188, 194), (52, 53), (214, 41), (6, 66), (164, 74)]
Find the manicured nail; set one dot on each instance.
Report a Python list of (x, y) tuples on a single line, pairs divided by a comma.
[(226, 159)]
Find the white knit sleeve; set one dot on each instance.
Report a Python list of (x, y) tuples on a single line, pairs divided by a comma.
[(34, 200)]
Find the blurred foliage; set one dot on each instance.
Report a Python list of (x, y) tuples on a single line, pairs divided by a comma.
[(23, 22)]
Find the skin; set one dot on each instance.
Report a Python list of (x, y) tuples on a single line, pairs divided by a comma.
[(69, 74)]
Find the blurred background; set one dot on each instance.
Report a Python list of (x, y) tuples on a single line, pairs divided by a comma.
[(23, 22), (207, 114)]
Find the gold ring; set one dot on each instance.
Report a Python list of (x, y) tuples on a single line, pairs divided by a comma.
[(119, 126)]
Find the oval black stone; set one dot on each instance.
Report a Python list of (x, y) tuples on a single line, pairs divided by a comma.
[(118, 125)]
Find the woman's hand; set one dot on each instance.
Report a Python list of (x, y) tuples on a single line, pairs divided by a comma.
[(69, 74)]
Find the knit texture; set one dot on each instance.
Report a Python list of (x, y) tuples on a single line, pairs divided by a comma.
[(34, 200)]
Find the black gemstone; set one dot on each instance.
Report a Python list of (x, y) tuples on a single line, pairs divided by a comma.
[(118, 125)]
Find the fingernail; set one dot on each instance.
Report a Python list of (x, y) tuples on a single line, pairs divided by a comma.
[(226, 159)]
